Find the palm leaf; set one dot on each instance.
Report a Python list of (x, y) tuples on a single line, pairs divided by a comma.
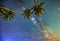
[(8, 15), (27, 13), (42, 3), (42, 10)]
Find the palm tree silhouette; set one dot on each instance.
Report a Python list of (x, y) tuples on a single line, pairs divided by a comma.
[(36, 10), (5, 13)]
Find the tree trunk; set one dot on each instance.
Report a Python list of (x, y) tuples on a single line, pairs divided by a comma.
[(35, 2)]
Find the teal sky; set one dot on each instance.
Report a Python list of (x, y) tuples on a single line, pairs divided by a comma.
[(53, 16), (12, 29)]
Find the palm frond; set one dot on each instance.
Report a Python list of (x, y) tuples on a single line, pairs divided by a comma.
[(42, 3), (7, 15), (27, 13), (42, 10)]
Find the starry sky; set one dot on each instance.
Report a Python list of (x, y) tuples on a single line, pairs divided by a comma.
[(20, 29)]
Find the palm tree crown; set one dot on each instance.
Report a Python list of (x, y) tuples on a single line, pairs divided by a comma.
[(6, 14), (37, 10)]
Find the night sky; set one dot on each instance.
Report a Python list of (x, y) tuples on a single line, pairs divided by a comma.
[(20, 29)]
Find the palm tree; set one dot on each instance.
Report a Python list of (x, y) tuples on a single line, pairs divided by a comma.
[(5, 13), (37, 10)]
